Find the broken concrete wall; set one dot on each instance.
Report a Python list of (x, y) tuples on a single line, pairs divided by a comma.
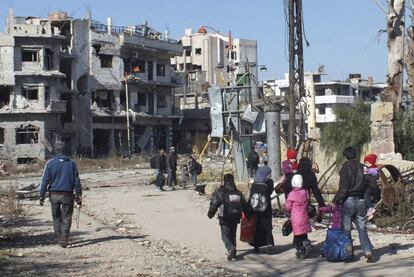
[(6, 60), (20, 143)]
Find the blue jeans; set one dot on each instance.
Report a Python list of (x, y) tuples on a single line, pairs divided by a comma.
[(354, 210), (194, 179), (228, 234)]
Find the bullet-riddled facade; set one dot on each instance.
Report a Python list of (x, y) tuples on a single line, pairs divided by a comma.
[(64, 78)]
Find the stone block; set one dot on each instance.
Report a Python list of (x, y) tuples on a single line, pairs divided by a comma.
[(381, 111)]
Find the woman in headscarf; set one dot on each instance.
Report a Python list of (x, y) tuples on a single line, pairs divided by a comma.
[(310, 182)]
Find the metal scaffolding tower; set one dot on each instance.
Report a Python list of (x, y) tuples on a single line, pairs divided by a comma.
[(296, 73)]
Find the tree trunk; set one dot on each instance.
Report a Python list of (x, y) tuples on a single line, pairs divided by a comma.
[(409, 56), (395, 31)]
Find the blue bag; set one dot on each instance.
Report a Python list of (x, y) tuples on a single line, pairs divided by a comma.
[(337, 246)]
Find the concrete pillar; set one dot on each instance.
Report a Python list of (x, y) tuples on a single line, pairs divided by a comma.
[(111, 141), (154, 71), (310, 101), (41, 95), (117, 97), (155, 103), (273, 140), (382, 133)]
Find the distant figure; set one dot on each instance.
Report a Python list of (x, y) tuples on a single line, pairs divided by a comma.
[(160, 166), (260, 205), (61, 180), (350, 194), (289, 168), (184, 176), (194, 169), (230, 204), (371, 176), (253, 161), (296, 204), (172, 168)]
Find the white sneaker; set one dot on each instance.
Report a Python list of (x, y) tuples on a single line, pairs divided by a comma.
[(158, 190)]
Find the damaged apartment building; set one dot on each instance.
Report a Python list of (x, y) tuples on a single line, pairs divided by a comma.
[(65, 78), (209, 59)]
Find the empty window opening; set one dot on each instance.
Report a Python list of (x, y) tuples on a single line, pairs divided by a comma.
[(198, 51), (1, 135), (48, 59), (26, 160), (106, 61), (150, 71), (161, 101), (27, 135), (97, 48), (160, 69), (142, 99), (67, 116), (30, 55), (138, 66), (4, 96), (30, 93), (322, 110), (47, 96), (188, 53)]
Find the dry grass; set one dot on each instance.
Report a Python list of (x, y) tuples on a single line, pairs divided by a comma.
[(10, 205)]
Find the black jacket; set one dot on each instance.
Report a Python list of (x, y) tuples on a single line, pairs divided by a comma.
[(161, 163), (192, 167), (351, 181), (172, 161), (253, 159), (217, 200), (310, 182)]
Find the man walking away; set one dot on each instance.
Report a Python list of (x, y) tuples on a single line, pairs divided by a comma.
[(351, 194), (230, 204), (160, 166), (172, 168), (61, 179), (253, 161), (194, 168)]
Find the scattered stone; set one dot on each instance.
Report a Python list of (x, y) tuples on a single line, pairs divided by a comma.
[(118, 222)]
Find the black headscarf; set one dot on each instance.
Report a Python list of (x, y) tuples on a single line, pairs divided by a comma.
[(305, 169)]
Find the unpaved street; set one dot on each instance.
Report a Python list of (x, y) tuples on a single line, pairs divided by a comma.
[(127, 229)]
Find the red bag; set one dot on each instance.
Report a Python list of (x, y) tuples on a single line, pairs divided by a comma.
[(247, 228)]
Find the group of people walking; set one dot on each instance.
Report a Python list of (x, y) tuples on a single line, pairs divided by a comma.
[(166, 164), (351, 203)]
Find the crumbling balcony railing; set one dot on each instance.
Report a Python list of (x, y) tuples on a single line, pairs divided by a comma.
[(136, 30)]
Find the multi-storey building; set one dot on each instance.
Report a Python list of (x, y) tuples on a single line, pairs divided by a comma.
[(210, 59), (67, 78)]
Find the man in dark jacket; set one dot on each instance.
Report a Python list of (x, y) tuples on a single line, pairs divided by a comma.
[(160, 166), (253, 161), (193, 169), (172, 168), (61, 179), (230, 203), (350, 194)]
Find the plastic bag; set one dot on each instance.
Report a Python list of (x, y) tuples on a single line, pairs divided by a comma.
[(247, 228), (287, 228)]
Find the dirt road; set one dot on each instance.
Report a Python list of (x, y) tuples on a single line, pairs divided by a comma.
[(127, 229)]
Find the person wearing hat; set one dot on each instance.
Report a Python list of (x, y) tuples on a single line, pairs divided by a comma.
[(371, 174), (289, 168), (61, 180), (296, 204), (171, 168), (350, 195)]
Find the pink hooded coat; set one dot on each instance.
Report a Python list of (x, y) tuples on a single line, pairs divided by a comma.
[(297, 205)]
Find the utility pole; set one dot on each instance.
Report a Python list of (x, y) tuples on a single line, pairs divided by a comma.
[(272, 115), (295, 63)]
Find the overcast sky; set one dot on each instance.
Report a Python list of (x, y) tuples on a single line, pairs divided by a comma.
[(342, 34)]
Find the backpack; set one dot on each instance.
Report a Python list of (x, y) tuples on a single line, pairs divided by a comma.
[(199, 168), (153, 162), (258, 197), (337, 246), (232, 206)]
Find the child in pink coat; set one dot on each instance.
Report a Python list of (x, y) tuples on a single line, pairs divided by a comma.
[(297, 205)]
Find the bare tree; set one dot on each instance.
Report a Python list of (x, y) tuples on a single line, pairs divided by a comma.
[(395, 31)]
